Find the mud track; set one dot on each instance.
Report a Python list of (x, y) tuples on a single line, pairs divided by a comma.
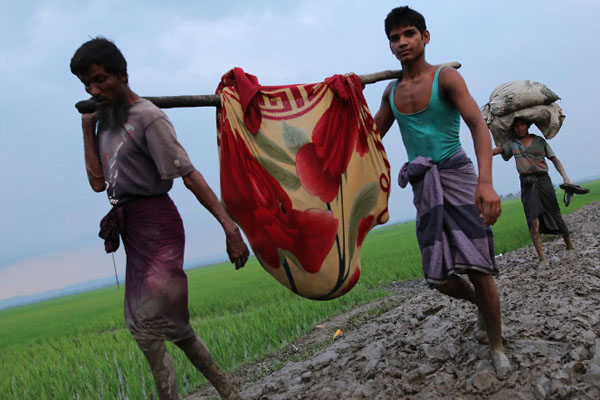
[(418, 344)]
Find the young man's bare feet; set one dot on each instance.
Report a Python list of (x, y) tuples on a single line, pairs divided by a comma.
[(500, 362)]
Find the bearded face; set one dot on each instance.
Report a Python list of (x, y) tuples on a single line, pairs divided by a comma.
[(113, 115), (109, 91)]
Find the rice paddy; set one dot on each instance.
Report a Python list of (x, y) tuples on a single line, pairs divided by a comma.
[(78, 347)]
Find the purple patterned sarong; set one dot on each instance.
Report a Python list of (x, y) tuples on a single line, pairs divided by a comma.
[(450, 231), (156, 296)]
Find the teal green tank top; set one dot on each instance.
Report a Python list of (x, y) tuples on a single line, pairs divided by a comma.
[(432, 132)]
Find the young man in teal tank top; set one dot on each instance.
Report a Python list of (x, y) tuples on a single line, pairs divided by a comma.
[(455, 207)]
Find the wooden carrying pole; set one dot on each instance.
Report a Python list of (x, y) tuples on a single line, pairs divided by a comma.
[(214, 100)]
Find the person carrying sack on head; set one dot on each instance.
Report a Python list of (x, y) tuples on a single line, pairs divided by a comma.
[(537, 192)]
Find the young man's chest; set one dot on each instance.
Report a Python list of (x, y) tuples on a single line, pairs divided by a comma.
[(414, 95)]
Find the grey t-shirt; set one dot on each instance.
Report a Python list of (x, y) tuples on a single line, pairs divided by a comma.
[(143, 157), (529, 160)]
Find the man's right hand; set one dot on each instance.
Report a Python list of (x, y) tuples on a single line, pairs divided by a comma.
[(88, 122), (93, 164)]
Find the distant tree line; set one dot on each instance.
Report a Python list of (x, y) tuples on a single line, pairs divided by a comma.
[(510, 196)]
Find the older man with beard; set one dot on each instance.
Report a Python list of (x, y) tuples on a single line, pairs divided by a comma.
[(131, 151)]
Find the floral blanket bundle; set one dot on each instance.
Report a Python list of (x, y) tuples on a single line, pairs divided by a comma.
[(305, 175)]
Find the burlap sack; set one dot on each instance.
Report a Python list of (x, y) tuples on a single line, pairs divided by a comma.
[(547, 118), (517, 95), (525, 99)]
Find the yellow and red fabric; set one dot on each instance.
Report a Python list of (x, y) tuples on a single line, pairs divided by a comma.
[(305, 175)]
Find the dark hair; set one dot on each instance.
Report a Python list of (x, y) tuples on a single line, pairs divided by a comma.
[(523, 120), (100, 51), (404, 16)]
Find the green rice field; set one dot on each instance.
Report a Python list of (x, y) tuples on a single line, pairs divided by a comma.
[(78, 347)]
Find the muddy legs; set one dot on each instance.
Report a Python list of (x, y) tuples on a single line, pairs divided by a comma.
[(458, 288), (568, 242), (488, 303), (200, 356), (484, 295), (534, 232), (162, 368)]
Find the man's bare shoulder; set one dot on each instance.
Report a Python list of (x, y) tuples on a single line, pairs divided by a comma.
[(451, 79), (388, 89), (452, 83), (449, 75)]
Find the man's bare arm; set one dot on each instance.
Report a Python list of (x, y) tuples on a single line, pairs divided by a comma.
[(236, 248), (384, 118), (561, 169), (93, 166), (497, 150), (455, 88)]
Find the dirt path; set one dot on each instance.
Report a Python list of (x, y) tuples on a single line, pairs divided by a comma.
[(418, 344)]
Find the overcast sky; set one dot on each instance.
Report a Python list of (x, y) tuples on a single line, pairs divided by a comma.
[(50, 216)]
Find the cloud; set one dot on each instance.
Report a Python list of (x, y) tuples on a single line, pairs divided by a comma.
[(185, 47)]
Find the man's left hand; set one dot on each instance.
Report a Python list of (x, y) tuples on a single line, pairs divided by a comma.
[(488, 203), (236, 249)]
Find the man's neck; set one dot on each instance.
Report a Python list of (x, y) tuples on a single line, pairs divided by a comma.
[(413, 69), (526, 136), (132, 97)]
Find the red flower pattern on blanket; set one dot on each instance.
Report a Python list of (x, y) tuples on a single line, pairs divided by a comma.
[(352, 281), (363, 228), (264, 210), (321, 163), (305, 175)]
